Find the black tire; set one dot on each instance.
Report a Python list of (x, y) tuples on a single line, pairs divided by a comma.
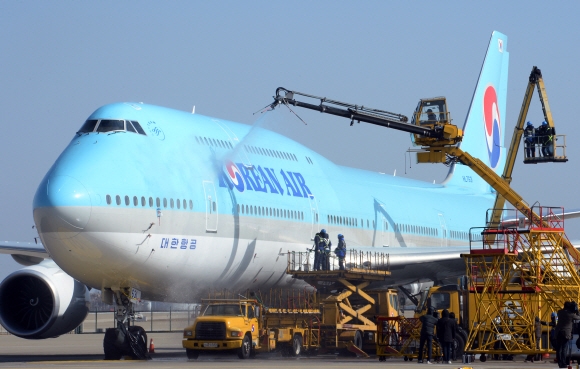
[(246, 349), (192, 354), (296, 348), (110, 345), (458, 347), (405, 358), (141, 336), (482, 358), (358, 339)]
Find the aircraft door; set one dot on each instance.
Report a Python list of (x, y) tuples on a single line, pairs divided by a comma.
[(443, 229), (211, 207), (314, 216)]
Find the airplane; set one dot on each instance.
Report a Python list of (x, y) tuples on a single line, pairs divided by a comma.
[(154, 203)]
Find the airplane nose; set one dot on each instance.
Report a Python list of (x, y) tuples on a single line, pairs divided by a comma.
[(62, 207)]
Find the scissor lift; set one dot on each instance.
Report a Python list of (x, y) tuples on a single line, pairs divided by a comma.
[(515, 275), (347, 304)]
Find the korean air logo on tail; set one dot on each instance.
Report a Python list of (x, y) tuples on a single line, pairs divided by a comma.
[(235, 176), (492, 121)]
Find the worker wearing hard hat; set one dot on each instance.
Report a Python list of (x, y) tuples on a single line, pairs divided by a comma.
[(340, 251), (530, 140), (566, 318)]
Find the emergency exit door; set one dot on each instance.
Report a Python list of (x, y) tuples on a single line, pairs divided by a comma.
[(211, 207)]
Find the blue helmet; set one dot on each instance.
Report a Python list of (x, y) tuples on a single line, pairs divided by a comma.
[(340, 236), (529, 123), (323, 230), (544, 123)]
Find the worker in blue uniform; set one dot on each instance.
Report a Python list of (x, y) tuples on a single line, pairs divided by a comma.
[(530, 140), (340, 251)]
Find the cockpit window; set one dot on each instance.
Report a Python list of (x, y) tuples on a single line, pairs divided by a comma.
[(130, 127), (108, 125), (89, 126), (138, 127)]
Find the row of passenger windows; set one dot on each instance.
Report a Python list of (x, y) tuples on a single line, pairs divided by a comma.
[(270, 212), (399, 227), (214, 142), (409, 228), (111, 125), (269, 152), (173, 203), (459, 234), (280, 213)]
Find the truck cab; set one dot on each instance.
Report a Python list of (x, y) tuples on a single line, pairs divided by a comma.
[(225, 324)]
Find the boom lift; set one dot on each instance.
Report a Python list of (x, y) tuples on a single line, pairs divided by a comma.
[(535, 80), (436, 135)]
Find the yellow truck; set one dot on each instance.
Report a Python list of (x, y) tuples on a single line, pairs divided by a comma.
[(246, 327)]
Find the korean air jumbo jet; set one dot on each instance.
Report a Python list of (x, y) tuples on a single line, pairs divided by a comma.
[(166, 204)]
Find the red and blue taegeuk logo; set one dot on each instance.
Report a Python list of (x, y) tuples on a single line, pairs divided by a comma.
[(235, 176), (492, 121)]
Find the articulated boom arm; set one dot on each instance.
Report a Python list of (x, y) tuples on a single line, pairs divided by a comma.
[(354, 113)]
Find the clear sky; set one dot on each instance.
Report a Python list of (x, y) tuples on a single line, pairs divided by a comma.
[(60, 60)]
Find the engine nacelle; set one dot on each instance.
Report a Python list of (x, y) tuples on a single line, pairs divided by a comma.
[(42, 301)]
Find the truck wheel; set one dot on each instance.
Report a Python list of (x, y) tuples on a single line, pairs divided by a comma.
[(244, 351), (483, 358), (458, 347), (358, 340), (296, 348), (192, 354)]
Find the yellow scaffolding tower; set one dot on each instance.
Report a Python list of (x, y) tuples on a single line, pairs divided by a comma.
[(515, 275)]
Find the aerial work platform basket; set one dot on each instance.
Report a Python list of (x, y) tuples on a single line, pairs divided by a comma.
[(515, 275)]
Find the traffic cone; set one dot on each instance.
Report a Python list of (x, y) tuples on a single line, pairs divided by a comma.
[(151, 347)]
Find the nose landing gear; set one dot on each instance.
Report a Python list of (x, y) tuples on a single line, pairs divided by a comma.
[(125, 340)]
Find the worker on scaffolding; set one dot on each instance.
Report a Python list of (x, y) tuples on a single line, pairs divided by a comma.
[(566, 318), (530, 140), (321, 241), (538, 334), (340, 251), (428, 322)]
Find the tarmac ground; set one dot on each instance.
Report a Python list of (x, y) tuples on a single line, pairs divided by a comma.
[(86, 351)]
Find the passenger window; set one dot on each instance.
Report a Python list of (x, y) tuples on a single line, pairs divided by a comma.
[(178, 203), (135, 201), (108, 199), (190, 204), (126, 200), (158, 202), (150, 202), (138, 128), (118, 199), (142, 201), (108, 125), (88, 126), (164, 202), (171, 203)]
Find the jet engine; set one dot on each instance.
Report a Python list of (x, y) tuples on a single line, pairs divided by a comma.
[(42, 301)]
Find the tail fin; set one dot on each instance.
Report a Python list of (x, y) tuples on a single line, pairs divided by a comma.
[(484, 127)]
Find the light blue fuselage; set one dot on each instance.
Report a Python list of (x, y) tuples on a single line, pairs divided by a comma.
[(240, 226)]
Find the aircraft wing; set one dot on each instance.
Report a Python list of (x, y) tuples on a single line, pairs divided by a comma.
[(574, 213), (25, 253), (410, 264)]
